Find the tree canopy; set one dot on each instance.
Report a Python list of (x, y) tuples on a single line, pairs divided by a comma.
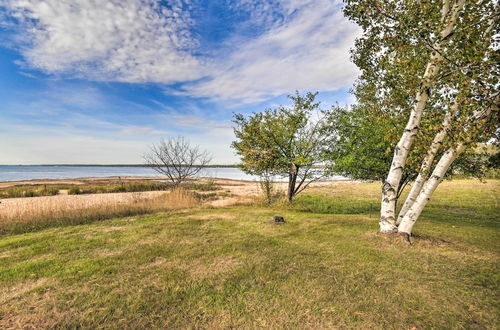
[(285, 141), (436, 64)]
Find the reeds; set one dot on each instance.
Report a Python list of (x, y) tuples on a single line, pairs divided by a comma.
[(100, 188), (30, 214)]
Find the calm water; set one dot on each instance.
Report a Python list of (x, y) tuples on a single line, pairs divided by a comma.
[(16, 173)]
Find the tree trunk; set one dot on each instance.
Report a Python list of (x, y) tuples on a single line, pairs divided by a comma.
[(292, 180), (429, 187), (427, 163), (391, 184)]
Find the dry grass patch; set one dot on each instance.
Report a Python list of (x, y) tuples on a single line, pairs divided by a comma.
[(200, 269), (21, 215), (212, 216), (12, 292)]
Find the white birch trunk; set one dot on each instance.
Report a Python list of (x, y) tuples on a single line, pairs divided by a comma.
[(427, 163), (391, 184), (429, 187)]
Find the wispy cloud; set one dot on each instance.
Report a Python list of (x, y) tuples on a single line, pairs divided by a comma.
[(295, 45), (114, 40), (309, 51)]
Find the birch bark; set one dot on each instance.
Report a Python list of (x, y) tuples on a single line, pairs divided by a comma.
[(429, 187), (392, 182), (427, 163)]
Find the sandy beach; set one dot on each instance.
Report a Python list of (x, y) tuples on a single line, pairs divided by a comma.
[(230, 192)]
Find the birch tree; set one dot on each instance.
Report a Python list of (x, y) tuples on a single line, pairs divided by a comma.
[(446, 49)]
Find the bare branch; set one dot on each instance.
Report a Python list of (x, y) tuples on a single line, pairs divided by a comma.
[(177, 159)]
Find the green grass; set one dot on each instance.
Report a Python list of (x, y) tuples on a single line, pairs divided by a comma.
[(140, 186), (30, 191), (100, 188), (221, 268)]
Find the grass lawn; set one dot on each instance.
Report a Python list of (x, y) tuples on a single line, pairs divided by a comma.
[(218, 268)]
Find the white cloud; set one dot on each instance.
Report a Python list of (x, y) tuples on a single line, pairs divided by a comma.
[(300, 45), (113, 40), (310, 51), (141, 131)]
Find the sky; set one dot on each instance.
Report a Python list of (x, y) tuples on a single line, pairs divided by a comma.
[(97, 82)]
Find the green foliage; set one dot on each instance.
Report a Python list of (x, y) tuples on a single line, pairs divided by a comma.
[(201, 186), (286, 141), (30, 191), (398, 40), (75, 190), (51, 190), (360, 146)]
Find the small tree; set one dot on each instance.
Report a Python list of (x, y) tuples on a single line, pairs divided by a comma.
[(283, 141), (177, 159), (266, 183)]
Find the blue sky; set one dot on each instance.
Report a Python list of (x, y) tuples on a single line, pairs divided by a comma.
[(90, 81)]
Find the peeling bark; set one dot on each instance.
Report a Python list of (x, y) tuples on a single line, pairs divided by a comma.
[(391, 184), (429, 187)]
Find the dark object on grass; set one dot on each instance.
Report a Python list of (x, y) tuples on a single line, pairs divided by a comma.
[(279, 219)]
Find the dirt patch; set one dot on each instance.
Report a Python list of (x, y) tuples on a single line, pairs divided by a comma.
[(436, 241), (395, 239)]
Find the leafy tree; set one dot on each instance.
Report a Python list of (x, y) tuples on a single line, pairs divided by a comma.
[(360, 144), (285, 141), (435, 63)]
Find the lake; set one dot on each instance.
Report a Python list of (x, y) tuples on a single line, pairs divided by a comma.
[(32, 172), (19, 172)]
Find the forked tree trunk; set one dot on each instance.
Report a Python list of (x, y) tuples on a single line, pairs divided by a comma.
[(406, 225), (391, 184), (427, 163)]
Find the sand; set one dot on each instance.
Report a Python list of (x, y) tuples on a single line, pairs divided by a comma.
[(233, 192)]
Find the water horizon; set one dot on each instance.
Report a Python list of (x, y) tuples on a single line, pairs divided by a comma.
[(10, 173)]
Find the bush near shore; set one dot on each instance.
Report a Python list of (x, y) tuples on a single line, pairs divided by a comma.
[(51, 190)]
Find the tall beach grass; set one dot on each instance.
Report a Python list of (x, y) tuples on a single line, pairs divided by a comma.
[(46, 212)]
